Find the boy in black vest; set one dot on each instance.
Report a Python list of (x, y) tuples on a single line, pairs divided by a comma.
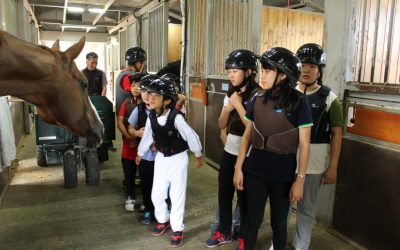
[(129, 147), (173, 137)]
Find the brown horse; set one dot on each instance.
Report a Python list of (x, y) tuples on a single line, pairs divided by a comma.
[(49, 79)]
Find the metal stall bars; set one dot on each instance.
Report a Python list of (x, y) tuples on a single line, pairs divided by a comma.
[(215, 29), (157, 38)]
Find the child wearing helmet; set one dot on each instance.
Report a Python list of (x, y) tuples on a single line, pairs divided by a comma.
[(135, 58), (279, 124), (129, 146), (173, 137), (326, 138), (137, 121), (242, 66), (180, 103)]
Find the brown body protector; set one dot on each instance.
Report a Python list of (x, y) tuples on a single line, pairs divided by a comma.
[(272, 131)]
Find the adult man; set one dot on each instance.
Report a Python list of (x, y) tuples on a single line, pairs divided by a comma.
[(97, 79)]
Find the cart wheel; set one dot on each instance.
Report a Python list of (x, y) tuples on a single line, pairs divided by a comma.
[(41, 157), (70, 170), (92, 168)]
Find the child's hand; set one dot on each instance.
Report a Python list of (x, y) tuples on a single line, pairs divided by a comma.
[(137, 160), (229, 108), (236, 99), (139, 133), (238, 179), (199, 162)]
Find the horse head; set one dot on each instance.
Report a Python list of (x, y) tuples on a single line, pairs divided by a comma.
[(49, 79)]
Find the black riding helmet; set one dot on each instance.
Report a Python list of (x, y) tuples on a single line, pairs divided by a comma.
[(137, 76), (312, 53), (284, 60), (146, 81), (163, 87), (173, 78), (241, 59), (135, 54)]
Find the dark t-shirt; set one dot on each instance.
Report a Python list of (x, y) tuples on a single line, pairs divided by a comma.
[(272, 166)]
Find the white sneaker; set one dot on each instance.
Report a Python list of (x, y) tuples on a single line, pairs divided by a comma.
[(129, 204), (271, 247), (142, 208)]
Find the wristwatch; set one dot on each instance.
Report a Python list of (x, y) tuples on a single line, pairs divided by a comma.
[(301, 176)]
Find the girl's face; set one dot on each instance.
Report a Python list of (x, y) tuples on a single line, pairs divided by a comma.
[(268, 77), (135, 89), (145, 96), (309, 73), (236, 76), (156, 102)]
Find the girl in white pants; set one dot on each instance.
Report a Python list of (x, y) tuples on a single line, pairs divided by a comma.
[(173, 137)]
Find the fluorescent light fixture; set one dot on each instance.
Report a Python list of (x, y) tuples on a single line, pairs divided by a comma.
[(70, 26), (96, 10), (75, 9)]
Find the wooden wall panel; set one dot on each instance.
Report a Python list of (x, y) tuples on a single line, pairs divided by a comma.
[(290, 29), (174, 42)]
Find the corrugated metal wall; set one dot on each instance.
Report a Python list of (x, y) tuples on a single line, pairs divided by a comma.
[(158, 38)]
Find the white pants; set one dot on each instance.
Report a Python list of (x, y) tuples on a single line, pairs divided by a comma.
[(170, 173)]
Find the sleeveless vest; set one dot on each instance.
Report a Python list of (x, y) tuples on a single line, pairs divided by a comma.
[(272, 131), (167, 138), (320, 132), (95, 80), (120, 94), (130, 106), (235, 124)]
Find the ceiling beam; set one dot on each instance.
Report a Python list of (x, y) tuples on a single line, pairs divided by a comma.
[(124, 22), (60, 5), (65, 13), (31, 13), (58, 22), (106, 6)]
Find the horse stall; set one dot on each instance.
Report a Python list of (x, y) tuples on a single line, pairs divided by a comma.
[(16, 19), (210, 42)]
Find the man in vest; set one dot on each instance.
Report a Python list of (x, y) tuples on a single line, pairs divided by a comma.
[(97, 79)]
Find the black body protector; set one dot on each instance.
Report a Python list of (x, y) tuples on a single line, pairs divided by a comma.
[(131, 104), (235, 124), (272, 131), (320, 132), (95, 79), (167, 138)]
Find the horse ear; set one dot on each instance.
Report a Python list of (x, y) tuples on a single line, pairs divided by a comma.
[(56, 45), (74, 51)]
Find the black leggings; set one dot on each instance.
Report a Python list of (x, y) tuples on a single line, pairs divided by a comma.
[(146, 172), (226, 191), (257, 192), (129, 168)]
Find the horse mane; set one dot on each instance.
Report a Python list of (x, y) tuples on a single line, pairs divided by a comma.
[(172, 68)]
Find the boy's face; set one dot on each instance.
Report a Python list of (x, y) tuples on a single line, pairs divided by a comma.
[(309, 73), (156, 101), (135, 89), (145, 96), (236, 76)]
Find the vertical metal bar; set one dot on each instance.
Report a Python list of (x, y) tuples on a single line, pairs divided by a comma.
[(361, 41), (389, 39), (375, 41)]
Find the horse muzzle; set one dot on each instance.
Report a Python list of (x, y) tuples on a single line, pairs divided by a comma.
[(94, 136)]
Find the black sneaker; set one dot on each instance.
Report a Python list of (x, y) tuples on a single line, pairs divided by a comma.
[(147, 218), (176, 239), (161, 228)]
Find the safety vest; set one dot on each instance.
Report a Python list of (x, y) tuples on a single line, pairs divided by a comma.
[(121, 94), (235, 124), (271, 130), (167, 138), (320, 132)]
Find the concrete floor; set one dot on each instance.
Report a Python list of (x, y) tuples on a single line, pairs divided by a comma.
[(39, 213)]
